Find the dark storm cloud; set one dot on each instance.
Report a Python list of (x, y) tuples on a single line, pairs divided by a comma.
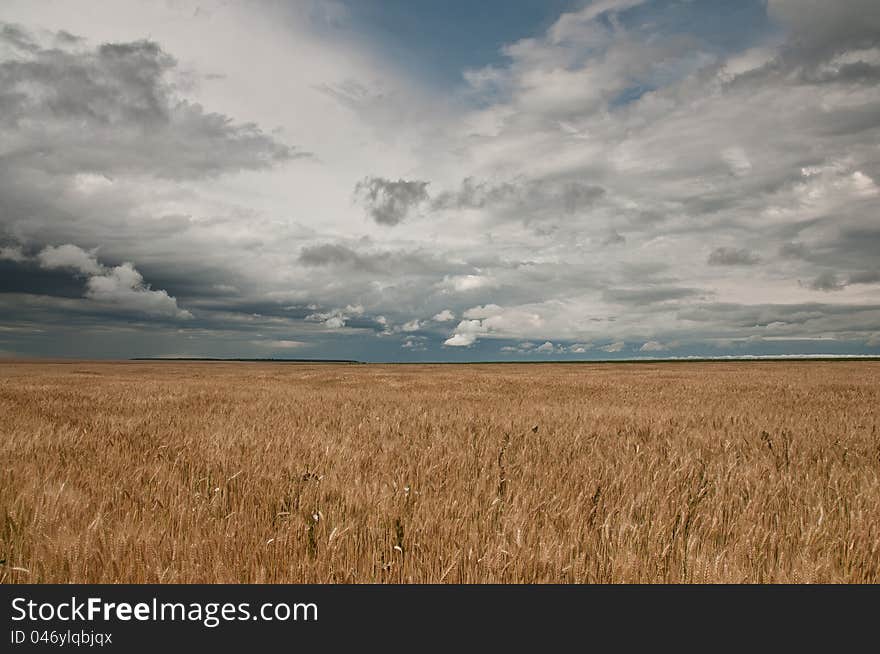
[(559, 207), (29, 278), (119, 288), (859, 239), (851, 248), (113, 110), (726, 256), (73, 114), (194, 281), (389, 202)]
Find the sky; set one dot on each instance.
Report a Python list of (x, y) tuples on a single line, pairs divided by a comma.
[(427, 181)]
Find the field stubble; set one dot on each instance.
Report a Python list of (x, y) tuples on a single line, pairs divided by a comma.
[(247, 472)]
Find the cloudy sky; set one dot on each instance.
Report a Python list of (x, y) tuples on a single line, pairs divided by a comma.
[(415, 180)]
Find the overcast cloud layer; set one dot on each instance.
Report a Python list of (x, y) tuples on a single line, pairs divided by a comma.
[(638, 179)]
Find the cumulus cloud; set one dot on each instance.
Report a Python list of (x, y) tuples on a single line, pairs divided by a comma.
[(547, 347), (70, 256), (15, 254), (466, 333), (494, 321), (117, 287), (123, 287), (390, 202), (414, 343), (617, 346), (564, 188), (337, 318), (522, 348), (460, 340), (653, 346)]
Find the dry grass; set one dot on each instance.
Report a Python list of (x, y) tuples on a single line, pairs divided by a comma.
[(212, 472)]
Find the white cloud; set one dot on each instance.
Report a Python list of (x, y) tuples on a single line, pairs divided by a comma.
[(12, 254), (466, 333), (123, 286), (484, 311), (653, 346), (118, 288), (414, 343), (91, 183), (510, 209), (337, 318), (460, 340), (280, 344), (617, 346), (494, 321), (593, 10), (466, 283), (524, 347), (70, 256)]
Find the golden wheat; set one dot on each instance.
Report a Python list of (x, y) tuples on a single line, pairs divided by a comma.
[(217, 472)]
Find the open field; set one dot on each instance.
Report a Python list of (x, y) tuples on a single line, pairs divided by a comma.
[(247, 472)]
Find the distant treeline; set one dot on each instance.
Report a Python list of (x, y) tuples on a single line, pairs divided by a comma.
[(744, 359), (244, 360)]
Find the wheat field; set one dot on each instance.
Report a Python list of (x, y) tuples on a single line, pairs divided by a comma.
[(257, 472)]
